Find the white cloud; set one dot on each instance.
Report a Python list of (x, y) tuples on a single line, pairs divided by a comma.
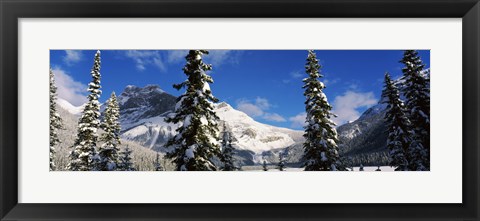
[(259, 108), (353, 86), (217, 57), (328, 82), (221, 57), (175, 56), (249, 108), (262, 103), (144, 58), (345, 106), (298, 120), (69, 89), (274, 117), (157, 62), (72, 56), (294, 77), (296, 74)]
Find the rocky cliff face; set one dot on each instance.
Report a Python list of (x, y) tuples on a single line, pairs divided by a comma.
[(138, 103)]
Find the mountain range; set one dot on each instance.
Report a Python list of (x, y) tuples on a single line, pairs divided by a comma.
[(143, 110)]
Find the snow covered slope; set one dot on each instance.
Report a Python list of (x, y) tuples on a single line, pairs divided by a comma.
[(152, 132), (69, 107), (365, 135), (254, 136)]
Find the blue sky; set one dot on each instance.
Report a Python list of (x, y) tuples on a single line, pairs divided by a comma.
[(265, 84)]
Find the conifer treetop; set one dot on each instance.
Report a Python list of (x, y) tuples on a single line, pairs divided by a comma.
[(108, 152), (196, 141), (157, 164), (320, 146), (83, 156), (417, 102), (55, 120), (227, 150), (399, 139), (126, 163)]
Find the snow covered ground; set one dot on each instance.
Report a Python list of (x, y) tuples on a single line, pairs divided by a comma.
[(370, 169), (272, 168)]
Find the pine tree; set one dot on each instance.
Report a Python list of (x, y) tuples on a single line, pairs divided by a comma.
[(281, 162), (265, 167), (126, 163), (157, 165), (196, 142), (55, 120), (83, 156), (227, 151), (398, 126), (346, 163), (320, 146), (108, 152), (417, 102)]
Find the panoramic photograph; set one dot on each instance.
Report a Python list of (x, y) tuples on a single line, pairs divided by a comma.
[(239, 110)]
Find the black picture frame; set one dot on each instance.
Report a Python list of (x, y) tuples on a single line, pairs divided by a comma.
[(12, 10)]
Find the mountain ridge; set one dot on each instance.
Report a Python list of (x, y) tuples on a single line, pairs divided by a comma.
[(143, 111)]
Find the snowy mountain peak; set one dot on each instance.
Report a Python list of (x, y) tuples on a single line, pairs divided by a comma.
[(133, 90), (153, 87), (374, 111), (223, 105), (139, 103), (255, 136)]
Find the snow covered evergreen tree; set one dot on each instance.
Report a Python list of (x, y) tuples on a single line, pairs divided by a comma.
[(157, 165), (320, 146), (55, 120), (398, 126), (126, 163), (227, 151), (265, 167), (108, 152), (196, 142), (417, 102), (345, 163), (83, 156), (281, 162)]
